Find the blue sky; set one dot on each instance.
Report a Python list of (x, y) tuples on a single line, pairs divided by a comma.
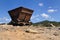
[(43, 9)]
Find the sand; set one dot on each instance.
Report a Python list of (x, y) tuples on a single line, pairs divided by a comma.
[(9, 32)]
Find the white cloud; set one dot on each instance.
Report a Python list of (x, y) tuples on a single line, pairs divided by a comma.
[(52, 19), (52, 10), (41, 4), (48, 17), (35, 16), (5, 19), (49, 7), (1, 22), (45, 15)]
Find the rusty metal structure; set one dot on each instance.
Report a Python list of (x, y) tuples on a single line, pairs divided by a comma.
[(20, 16)]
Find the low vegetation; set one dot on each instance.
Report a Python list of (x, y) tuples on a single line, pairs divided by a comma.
[(47, 23)]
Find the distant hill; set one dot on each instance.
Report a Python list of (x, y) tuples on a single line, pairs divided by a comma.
[(47, 23)]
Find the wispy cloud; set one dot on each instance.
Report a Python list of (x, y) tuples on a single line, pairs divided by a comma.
[(52, 19), (52, 10), (40, 4), (4, 19), (44, 15), (49, 7), (35, 16)]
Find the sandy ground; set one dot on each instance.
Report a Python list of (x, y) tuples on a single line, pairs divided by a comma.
[(9, 32)]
